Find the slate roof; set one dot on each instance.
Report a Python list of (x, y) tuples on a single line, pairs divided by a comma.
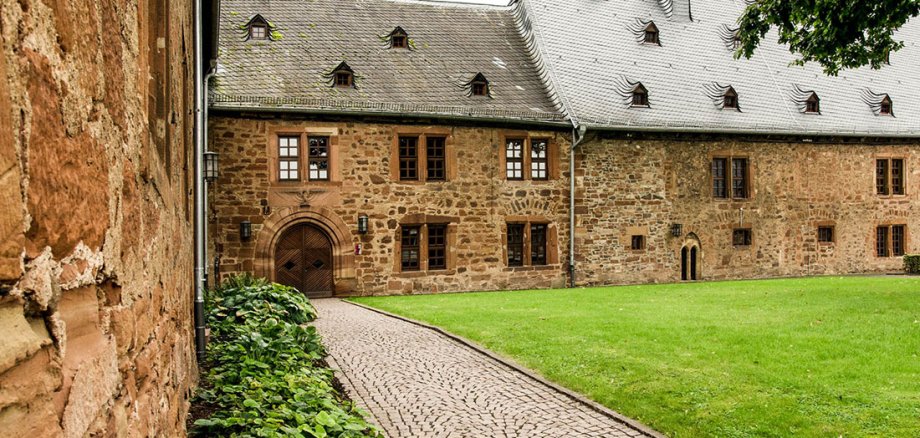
[(594, 56), (450, 44)]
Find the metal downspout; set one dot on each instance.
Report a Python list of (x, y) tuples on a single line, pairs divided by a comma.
[(578, 134), (198, 198), (209, 280)]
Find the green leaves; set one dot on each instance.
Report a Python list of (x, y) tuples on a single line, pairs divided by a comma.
[(837, 34), (267, 378)]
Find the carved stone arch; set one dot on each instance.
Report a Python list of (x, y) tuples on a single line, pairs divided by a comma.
[(324, 219), (690, 255)]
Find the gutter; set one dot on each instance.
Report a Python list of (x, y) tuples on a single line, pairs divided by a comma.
[(578, 135), (791, 133), (198, 183)]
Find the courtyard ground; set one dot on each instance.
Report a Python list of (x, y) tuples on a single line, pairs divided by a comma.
[(808, 357)]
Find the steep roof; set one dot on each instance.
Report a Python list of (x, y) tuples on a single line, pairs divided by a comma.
[(595, 53), (449, 44)]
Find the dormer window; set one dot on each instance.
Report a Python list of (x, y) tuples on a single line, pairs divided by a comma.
[(343, 76), (479, 86), (399, 39), (885, 107), (813, 104), (651, 34), (640, 96), (259, 28), (730, 99), (736, 41)]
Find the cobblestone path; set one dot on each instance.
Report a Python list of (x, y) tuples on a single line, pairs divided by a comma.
[(419, 383)]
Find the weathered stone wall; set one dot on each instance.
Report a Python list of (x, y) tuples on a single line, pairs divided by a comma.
[(95, 265), (627, 187), (476, 199)]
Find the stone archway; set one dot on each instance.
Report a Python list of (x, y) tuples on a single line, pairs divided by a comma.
[(324, 220), (690, 257)]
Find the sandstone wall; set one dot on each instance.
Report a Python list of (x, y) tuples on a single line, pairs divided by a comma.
[(95, 259), (476, 199), (627, 187)]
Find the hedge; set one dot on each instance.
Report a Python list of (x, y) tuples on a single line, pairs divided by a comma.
[(266, 375), (912, 263)]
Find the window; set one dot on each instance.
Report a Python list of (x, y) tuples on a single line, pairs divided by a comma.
[(343, 79), (813, 104), (408, 158), (890, 240), (437, 247), (479, 86), (537, 244), (638, 243), (741, 237), (730, 99), (288, 158), (515, 244), (258, 31), (651, 34), (538, 159), (733, 178), (640, 96), (410, 251), (886, 107), (435, 156), (826, 234), (889, 176), (736, 41), (319, 158), (399, 39), (514, 158)]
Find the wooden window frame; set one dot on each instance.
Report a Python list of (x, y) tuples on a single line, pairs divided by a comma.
[(318, 159), (640, 98), (275, 130), (527, 159), (409, 162), (546, 254), (428, 245), (891, 240), (435, 162), (885, 178), (399, 41), (651, 35), (343, 79), (449, 159), (262, 27), (747, 239), (515, 247), (729, 178), (813, 104), (730, 99), (479, 88), (511, 160), (295, 159), (405, 230), (432, 231), (538, 247), (537, 173)]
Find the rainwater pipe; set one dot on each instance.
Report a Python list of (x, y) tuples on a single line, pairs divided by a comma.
[(209, 280), (199, 190), (578, 134)]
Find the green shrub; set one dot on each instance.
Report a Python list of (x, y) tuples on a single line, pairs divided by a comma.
[(912, 263), (267, 377)]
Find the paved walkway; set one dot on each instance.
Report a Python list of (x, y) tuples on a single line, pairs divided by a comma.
[(419, 383)]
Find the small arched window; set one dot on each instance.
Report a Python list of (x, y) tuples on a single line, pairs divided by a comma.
[(886, 107), (813, 104), (399, 39), (479, 86), (651, 34), (640, 96), (730, 99)]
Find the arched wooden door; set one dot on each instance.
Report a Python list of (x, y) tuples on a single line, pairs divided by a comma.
[(303, 259)]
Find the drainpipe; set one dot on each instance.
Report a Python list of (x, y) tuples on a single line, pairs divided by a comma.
[(208, 279), (198, 199), (578, 134)]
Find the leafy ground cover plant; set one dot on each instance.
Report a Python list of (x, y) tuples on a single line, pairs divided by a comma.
[(267, 377)]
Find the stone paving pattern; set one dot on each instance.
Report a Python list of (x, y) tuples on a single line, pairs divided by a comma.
[(419, 383)]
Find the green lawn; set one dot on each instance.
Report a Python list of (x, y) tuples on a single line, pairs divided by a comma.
[(797, 357)]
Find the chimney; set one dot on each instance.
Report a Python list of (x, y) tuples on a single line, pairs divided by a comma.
[(680, 10)]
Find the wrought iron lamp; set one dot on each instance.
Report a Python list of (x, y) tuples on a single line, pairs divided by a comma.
[(677, 230), (362, 223), (210, 166), (245, 230)]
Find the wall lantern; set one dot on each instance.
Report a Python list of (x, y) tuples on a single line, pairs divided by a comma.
[(676, 230), (210, 166), (362, 223), (245, 230)]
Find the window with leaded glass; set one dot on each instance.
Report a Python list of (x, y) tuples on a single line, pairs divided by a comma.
[(408, 158), (514, 159), (719, 178), (739, 178), (288, 158), (437, 247), (539, 159), (881, 241), (897, 176), (889, 176), (410, 251), (741, 237), (318, 158), (515, 244), (436, 160), (897, 240), (537, 244)]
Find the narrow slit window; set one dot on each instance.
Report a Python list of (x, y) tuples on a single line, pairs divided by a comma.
[(741, 237), (408, 158), (436, 158), (437, 247), (514, 159), (319, 158), (515, 244), (538, 244), (539, 159), (289, 158), (410, 250)]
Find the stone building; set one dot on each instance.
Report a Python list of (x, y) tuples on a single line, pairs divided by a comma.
[(95, 227), (376, 147)]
